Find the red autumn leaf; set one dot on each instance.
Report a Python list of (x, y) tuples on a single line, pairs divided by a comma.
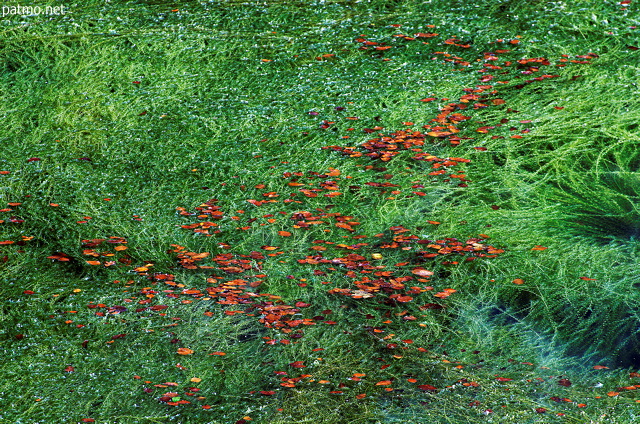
[(59, 256), (564, 382), (33, 159), (404, 299), (87, 420), (427, 387), (69, 369), (284, 233), (428, 99), (588, 279), (600, 367), (538, 247), (159, 307), (345, 226), (504, 379), (168, 396), (421, 272), (383, 383), (267, 392), (297, 364)]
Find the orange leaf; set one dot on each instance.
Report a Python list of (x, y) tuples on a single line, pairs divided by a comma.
[(404, 299), (345, 226), (518, 281), (284, 233), (93, 262), (184, 351), (421, 272), (538, 247), (120, 248), (383, 383)]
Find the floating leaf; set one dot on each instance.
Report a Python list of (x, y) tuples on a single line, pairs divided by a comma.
[(383, 383), (421, 272)]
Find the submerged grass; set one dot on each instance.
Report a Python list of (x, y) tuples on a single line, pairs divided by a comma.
[(118, 113)]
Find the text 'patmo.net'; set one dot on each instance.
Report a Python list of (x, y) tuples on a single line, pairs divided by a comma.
[(32, 10)]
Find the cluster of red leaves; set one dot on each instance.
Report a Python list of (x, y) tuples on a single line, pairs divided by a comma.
[(280, 316), (386, 147), (384, 280), (305, 219), (207, 210), (511, 72), (111, 255), (12, 220)]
